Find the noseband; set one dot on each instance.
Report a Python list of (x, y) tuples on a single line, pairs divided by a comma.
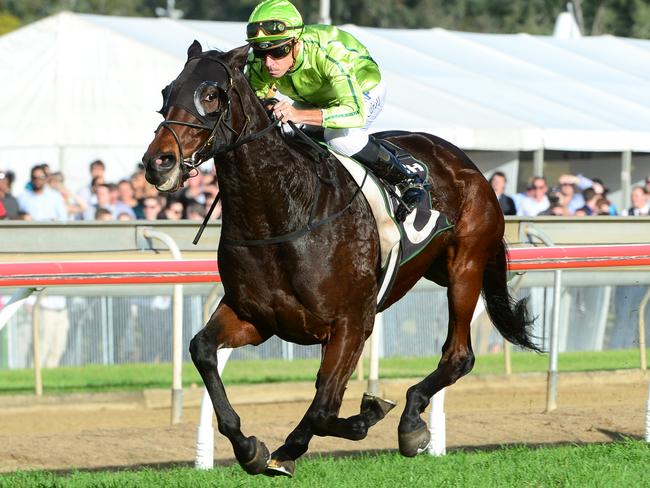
[(207, 150)]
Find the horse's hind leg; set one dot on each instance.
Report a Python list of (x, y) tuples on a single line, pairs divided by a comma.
[(340, 356), (465, 282), (225, 329)]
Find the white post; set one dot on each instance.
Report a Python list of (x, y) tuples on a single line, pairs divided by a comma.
[(438, 443), (551, 392), (177, 355), (647, 417), (205, 434), (36, 346), (324, 12), (373, 376), (177, 329)]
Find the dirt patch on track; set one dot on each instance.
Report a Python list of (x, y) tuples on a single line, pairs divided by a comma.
[(106, 431)]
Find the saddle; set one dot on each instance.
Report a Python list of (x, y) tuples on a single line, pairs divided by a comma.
[(400, 241)]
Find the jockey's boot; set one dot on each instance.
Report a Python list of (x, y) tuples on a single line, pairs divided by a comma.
[(387, 166)]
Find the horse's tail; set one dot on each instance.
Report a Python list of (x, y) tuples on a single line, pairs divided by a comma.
[(509, 315)]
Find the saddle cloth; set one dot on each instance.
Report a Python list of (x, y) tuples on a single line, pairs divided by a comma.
[(398, 243)]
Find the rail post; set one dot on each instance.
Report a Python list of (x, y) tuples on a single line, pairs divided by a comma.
[(204, 456), (642, 338), (373, 375), (36, 346), (177, 329)]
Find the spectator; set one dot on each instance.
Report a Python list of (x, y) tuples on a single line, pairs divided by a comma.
[(193, 192), (123, 217), (590, 207), (107, 198), (538, 202), (582, 183), (97, 174), (117, 206), (41, 202), (640, 202), (573, 199), (7, 200), (603, 206), (498, 182), (54, 327), (103, 214), (102, 196), (139, 183), (195, 211), (74, 204), (647, 185), (126, 195), (151, 208), (557, 203), (173, 210)]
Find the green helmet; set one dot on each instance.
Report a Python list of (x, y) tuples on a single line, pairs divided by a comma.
[(274, 20)]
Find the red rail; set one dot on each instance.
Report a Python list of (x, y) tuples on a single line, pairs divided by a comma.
[(41, 274), (108, 272), (532, 258)]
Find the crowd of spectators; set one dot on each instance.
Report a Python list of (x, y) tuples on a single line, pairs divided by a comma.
[(573, 195), (47, 198)]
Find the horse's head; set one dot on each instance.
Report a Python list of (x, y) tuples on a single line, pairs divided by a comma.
[(198, 117)]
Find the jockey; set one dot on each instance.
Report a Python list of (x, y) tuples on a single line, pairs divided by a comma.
[(333, 83)]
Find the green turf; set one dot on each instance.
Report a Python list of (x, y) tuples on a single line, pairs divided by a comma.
[(93, 378), (623, 464)]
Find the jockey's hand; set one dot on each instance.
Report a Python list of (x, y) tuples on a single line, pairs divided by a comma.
[(285, 112)]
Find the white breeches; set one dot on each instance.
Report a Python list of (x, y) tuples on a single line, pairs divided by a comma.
[(351, 141)]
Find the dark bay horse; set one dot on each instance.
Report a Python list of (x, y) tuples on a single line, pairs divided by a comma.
[(299, 255)]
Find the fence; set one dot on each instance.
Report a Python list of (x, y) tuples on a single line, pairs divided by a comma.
[(119, 272)]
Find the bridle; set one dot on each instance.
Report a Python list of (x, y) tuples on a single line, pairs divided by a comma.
[(208, 149)]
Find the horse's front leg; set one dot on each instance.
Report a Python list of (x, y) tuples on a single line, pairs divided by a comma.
[(340, 356), (225, 329)]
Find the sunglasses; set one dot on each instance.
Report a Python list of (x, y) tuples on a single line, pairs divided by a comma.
[(275, 53), (268, 27)]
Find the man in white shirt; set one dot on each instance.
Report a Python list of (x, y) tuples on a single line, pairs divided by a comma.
[(532, 206), (41, 202)]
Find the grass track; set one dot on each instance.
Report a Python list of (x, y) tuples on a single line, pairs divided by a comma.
[(598, 465), (141, 376)]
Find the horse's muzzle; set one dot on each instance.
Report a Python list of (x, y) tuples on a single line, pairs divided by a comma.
[(161, 170)]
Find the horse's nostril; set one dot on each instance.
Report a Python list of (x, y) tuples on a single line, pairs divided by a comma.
[(164, 161)]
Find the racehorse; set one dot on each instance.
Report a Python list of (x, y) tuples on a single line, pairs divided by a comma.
[(299, 254)]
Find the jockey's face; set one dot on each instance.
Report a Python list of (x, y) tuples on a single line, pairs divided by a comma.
[(277, 68)]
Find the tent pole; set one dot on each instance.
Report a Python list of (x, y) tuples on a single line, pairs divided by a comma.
[(626, 178), (538, 162)]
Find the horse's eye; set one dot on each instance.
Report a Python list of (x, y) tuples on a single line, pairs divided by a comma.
[(208, 98)]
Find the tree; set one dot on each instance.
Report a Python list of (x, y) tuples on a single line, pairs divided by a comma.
[(8, 22)]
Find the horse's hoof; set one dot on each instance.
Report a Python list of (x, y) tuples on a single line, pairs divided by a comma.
[(280, 468), (260, 459), (413, 443), (376, 404)]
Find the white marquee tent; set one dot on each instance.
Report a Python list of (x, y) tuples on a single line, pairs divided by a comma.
[(79, 87)]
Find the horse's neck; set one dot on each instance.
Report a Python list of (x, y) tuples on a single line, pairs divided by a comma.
[(267, 189)]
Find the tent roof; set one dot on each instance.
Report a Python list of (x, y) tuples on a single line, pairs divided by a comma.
[(102, 77)]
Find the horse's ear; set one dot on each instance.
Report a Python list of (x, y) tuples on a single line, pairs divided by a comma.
[(237, 57), (194, 50)]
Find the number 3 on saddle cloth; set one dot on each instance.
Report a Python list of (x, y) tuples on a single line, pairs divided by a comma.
[(399, 242)]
